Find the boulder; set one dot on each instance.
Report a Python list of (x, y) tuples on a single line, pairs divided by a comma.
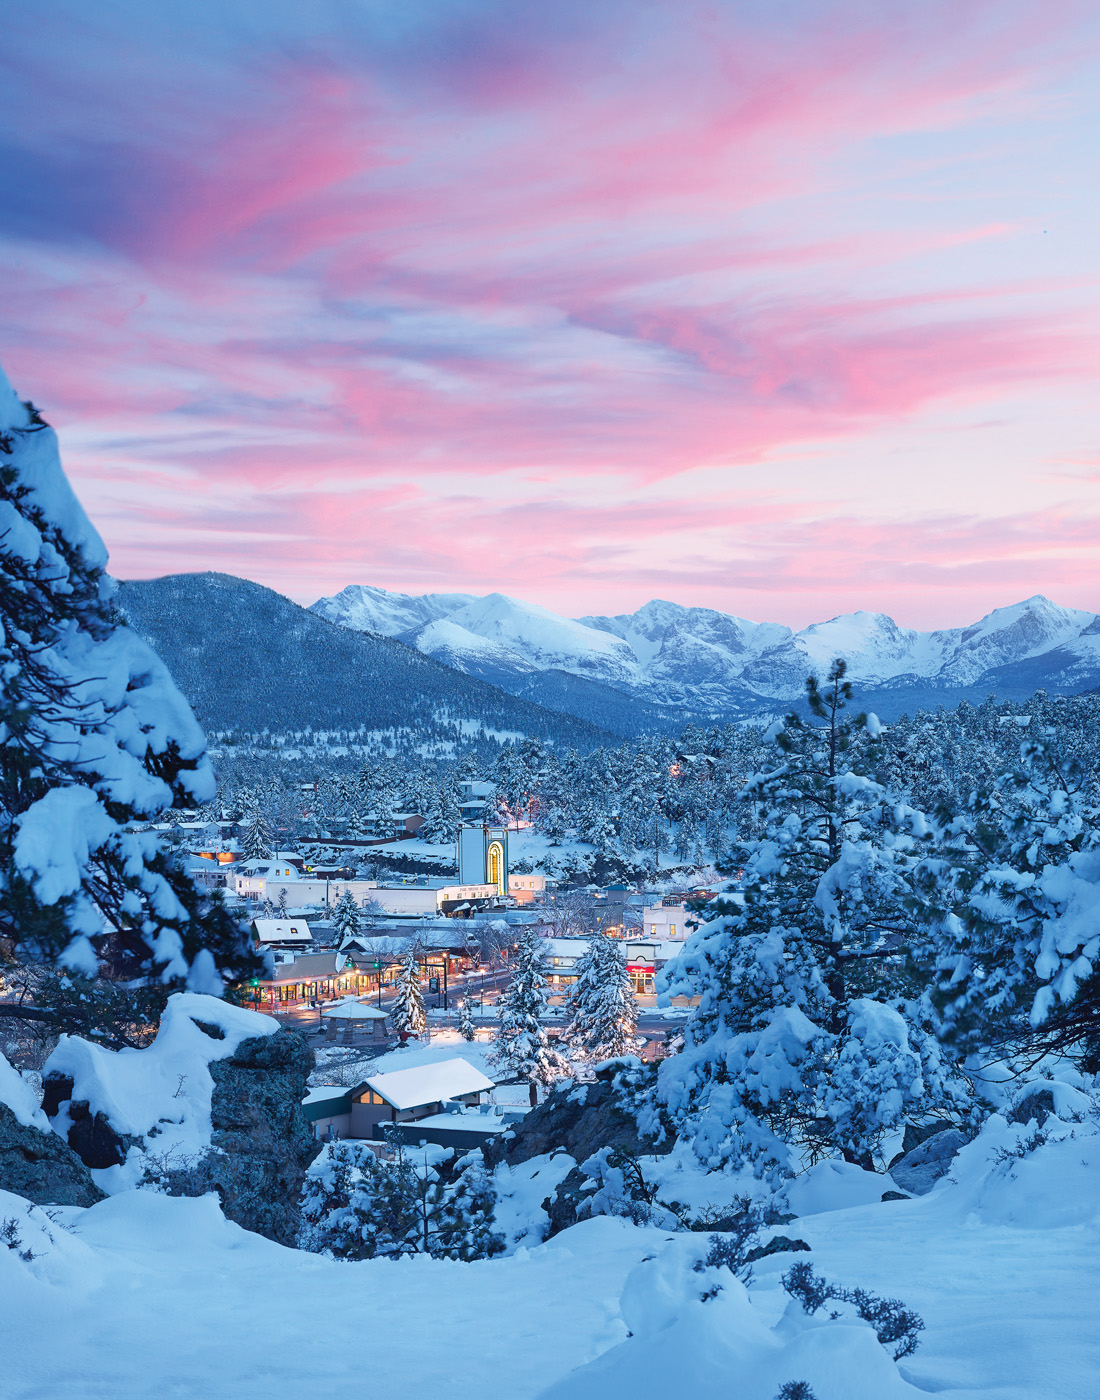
[(580, 1119), (919, 1170), (42, 1166)]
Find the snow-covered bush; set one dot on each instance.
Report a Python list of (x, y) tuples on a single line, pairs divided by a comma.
[(896, 1326), (357, 1205)]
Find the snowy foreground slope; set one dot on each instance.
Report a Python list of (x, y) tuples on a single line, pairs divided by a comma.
[(143, 1295)]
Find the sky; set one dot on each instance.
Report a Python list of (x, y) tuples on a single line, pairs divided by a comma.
[(784, 308)]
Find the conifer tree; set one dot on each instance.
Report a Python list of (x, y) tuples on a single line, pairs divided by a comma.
[(521, 1043), (604, 1008), (409, 1014), (466, 1028), (257, 841), (1010, 901), (357, 1206), (97, 742), (346, 921), (794, 1040)]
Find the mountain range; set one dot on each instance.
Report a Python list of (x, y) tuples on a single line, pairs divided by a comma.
[(667, 662), (250, 660)]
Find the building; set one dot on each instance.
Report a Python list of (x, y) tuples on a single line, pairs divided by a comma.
[(309, 978), (669, 918), (644, 960), (408, 1095), (252, 877), (206, 872), (483, 857), (424, 898), (282, 933), (526, 889), (335, 1111)]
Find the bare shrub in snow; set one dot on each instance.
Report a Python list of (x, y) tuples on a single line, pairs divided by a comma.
[(895, 1325)]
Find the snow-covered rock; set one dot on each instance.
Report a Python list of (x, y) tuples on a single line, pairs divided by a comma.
[(213, 1103), (919, 1170)]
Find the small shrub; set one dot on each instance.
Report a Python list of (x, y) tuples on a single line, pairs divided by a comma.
[(730, 1250), (895, 1325), (9, 1235)]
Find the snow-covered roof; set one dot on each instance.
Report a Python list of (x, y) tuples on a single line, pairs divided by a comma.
[(352, 1010), (326, 1091), (564, 947), (308, 968), (445, 1079), (282, 930)]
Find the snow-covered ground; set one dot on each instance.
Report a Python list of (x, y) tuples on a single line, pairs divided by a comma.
[(145, 1296)]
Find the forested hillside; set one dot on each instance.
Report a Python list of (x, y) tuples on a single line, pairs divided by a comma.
[(249, 659)]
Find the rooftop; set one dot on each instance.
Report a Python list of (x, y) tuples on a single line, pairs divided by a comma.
[(445, 1079)]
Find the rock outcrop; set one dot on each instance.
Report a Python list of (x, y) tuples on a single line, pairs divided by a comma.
[(919, 1170), (214, 1104), (261, 1143), (579, 1120), (42, 1166)]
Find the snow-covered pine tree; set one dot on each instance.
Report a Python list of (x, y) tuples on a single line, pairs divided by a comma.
[(799, 1036), (442, 822), (1011, 902), (282, 912), (409, 1015), (466, 1028), (96, 742), (521, 1042), (257, 841), (346, 921), (604, 1009)]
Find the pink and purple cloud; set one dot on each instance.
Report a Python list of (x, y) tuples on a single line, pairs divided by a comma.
[(785, 309)]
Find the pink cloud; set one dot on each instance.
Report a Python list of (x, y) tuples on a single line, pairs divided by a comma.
[(334, 301)]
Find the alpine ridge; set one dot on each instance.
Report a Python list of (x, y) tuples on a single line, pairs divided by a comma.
[(680, 660)]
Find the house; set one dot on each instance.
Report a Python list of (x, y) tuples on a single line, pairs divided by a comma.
[(281, 933), (205, 872), (669, 918), (408, 1095), (331, 1111), (252, 878)]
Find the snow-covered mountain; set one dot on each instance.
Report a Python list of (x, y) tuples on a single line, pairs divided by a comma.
[(702, 661)]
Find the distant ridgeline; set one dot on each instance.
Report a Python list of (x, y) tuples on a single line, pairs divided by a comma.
[(389, 672), (654, 669), (250, 660)]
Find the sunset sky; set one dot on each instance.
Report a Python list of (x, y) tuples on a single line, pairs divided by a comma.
[(782, 308)]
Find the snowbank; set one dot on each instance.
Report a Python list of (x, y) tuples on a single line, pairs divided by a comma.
[(21, 1098)]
